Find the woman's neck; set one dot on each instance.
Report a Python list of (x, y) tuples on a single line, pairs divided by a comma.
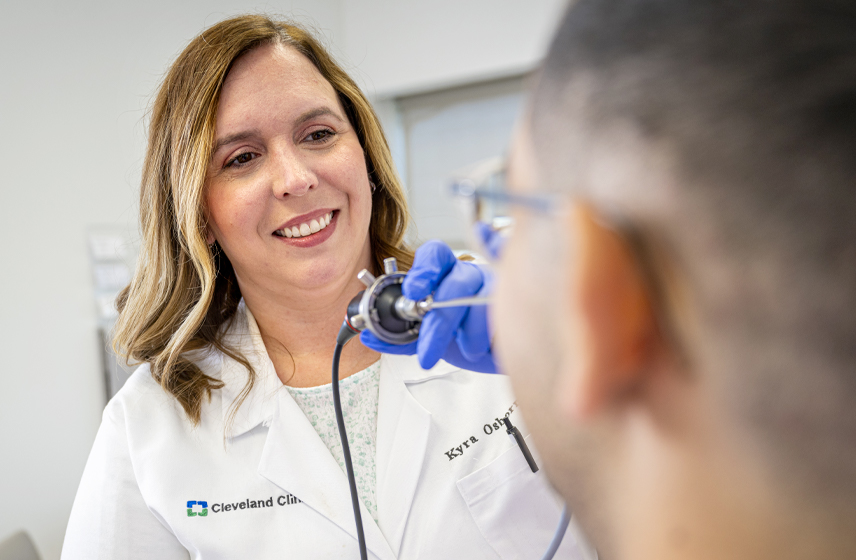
[(299, 332)]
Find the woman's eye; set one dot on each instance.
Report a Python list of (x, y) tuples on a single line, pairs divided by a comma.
[(241, 159), (320, 136)]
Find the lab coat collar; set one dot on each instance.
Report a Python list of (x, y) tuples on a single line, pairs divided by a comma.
[(403, 428), (296, 460), (408, 370), (259, 405), (402, 438)]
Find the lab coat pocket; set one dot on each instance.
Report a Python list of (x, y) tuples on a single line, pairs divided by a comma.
[(515, 509)]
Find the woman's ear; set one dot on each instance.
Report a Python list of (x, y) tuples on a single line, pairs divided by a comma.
[(612, 320)]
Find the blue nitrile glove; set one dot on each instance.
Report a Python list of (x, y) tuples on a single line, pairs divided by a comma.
[(458, 335), (491, 240)]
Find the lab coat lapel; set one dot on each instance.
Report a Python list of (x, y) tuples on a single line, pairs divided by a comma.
[(402, 439), (295, 459), (258, 405)]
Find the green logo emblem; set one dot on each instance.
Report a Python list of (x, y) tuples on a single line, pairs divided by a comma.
[(191, 505)]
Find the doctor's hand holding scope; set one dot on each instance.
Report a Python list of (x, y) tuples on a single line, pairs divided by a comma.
[(460, 335), (267, 187)]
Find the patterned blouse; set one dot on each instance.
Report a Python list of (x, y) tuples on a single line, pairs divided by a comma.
[(359, 395)]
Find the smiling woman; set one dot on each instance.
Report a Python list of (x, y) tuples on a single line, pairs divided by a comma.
[(200, 148), (267, 186), (282, 163)]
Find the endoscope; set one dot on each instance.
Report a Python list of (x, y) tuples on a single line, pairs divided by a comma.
[(384, 311)]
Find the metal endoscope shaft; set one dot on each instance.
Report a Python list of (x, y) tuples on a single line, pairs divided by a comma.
[(428, 305), (411, 310)]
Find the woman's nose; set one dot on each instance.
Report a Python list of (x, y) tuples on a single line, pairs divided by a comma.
[(291, 176)]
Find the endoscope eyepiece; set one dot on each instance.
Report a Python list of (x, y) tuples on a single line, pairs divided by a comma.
[(385, 312), (376, 308)]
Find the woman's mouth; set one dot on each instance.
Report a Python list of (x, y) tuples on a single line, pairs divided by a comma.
[(307, 228)]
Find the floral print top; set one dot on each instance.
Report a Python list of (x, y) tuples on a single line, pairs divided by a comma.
[(359, 395)]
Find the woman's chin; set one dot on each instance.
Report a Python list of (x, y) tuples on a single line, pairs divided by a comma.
[(316, 277)]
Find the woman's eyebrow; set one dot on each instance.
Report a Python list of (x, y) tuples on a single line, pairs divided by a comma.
[(243, 135), (306, 116), (317, 112)]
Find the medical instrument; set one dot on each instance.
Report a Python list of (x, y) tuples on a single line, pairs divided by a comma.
[(386, 313), (383, 310), (346, 334), (458, 335)]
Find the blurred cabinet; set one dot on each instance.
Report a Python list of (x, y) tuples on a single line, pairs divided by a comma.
[(113, 254), (435, 134)]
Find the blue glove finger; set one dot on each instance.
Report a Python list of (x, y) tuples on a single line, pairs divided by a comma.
[(437, 332), (492, 240), (432, 263), (473, 336), (441, 325), (484, 365), (371, 341), (453, 354)]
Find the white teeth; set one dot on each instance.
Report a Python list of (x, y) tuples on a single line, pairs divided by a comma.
[(314, 226)]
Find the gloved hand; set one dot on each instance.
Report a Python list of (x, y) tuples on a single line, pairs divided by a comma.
[(491, 240), (458, 335)]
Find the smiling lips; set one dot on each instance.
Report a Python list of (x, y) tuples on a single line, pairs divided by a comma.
[(307, 228)]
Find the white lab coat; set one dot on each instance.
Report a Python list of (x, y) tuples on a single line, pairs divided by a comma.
[(449, 483)]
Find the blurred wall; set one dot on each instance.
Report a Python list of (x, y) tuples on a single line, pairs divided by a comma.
[(76, 80), (407, 47)]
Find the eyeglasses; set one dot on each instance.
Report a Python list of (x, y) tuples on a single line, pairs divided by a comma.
[(485, 204), (482, 188)]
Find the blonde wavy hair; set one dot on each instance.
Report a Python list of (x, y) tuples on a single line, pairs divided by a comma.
[(183, 291)]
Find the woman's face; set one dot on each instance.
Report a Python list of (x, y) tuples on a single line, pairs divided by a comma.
[(287, 190)]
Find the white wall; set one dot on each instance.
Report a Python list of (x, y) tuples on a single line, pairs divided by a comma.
[(76, 79), (402, 47)]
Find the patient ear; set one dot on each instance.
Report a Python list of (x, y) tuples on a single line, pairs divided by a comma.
[(613, 327)]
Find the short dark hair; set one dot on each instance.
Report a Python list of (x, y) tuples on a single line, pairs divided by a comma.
[(754, 102)]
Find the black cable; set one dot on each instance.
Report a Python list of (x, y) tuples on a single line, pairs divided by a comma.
[(340, 420), (346, 333)]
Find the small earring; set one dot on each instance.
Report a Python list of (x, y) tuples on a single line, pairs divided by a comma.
[(372, 186)]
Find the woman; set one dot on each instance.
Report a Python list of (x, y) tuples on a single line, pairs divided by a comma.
[(267, 187)]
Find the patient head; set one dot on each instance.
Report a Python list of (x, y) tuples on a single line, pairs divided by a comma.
[(697, 365)]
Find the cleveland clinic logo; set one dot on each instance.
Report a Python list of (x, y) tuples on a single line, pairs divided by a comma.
[(199, 508), (192, 511)]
